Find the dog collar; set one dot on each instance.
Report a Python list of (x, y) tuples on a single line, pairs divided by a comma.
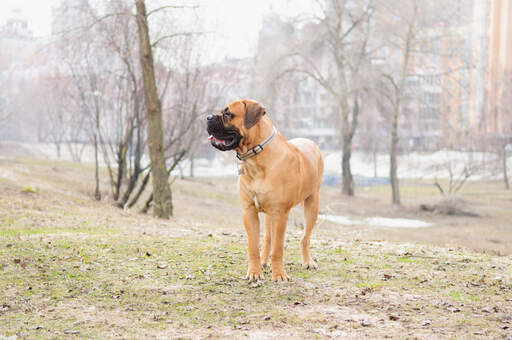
[(257, 149)]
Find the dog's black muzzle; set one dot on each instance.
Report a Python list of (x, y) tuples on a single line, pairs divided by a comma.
[(221, 137)]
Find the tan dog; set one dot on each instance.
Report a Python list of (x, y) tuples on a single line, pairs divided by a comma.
[(276, 175)]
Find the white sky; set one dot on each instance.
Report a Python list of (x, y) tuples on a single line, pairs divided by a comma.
[(236, 22)]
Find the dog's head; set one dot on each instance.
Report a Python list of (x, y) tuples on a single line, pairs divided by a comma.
[(233, 124)]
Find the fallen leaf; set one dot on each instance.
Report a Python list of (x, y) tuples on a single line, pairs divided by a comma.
[(366, 323), (256, 284)]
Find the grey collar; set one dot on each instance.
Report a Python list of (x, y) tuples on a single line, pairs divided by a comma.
[(257, 149)]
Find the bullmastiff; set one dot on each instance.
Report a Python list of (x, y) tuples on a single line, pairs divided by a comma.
[(274, 176)]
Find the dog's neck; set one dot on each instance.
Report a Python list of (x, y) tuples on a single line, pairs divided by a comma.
[(253, 165), (262, 131)]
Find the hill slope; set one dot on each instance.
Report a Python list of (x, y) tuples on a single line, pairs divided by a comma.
[(71, 266)]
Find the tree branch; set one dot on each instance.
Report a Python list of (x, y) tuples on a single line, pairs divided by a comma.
[(167, 7), (174, 35)]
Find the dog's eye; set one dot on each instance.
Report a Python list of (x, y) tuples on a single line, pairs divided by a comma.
[(228, 114)]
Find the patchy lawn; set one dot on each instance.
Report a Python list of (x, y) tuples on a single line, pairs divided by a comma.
[(73, 267)]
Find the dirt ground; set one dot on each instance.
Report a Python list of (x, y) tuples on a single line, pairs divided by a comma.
[(490, 232), (73, 267)]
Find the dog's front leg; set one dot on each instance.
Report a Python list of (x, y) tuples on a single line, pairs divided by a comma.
[(252, 227), (265, 246), (278, 234)]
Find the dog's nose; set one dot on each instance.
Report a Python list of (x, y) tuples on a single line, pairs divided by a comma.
[(209, 117)]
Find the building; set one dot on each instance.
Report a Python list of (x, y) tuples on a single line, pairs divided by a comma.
[(497, 119), (20, 63), (297, 104), (491, 79), (456, 87)]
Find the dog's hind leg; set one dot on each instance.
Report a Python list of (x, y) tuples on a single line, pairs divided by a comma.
[(265, 245), (310, 216)]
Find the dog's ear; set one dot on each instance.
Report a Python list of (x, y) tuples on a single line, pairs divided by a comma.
[(253, 113)]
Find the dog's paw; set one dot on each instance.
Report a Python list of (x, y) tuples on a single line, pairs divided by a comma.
[(280, 276), (254, 275), (311, 265)]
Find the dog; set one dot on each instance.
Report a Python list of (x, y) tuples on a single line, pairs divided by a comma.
[(274, 176)]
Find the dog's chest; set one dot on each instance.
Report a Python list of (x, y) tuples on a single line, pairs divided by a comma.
[(257, 203), (260, 196), (260, 201)]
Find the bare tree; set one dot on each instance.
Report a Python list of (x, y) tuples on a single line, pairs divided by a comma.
[(456, 177), (503, 141), (123, 139), (337, 57), (85, 65), (53, 112), (408, 42), (110, 59), (161, 191), (404, 45), (506, 148), (187, 80)]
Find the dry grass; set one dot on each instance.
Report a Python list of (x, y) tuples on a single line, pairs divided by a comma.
[(70, 266)]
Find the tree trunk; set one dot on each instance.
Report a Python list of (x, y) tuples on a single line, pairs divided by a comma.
[(393, 166), (122, 149), (375, 162), (132, 182), (97, 193), (140, 191), (348, 180), (347, 184), (162, 205), (191, 166), (57, 145), (349, 129), (177, 160), (505, 175), (397, 104)]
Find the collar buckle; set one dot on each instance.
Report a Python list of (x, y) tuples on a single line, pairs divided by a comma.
[(257, 149)]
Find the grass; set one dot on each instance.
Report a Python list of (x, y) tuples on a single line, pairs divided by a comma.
[(71, 267), (137, 285)]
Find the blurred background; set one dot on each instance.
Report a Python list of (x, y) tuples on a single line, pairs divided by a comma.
[(394, 92)]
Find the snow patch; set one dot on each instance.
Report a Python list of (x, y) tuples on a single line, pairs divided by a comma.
[(377, 221), (397, 222)]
